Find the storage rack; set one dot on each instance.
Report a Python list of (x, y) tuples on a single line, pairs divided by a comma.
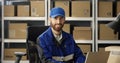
[(4, 40), (93, 20), (102, 19)]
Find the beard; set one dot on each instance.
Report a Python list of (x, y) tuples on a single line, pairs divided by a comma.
[(57, 27)]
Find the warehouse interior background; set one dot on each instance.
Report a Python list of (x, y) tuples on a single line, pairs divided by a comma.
[(85, 19)]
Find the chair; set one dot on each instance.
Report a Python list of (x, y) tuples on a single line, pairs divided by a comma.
[(33, 50)]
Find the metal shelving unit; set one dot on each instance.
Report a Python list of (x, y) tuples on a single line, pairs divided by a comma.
[(94, 21), (98, 42), (102, 19), (17, 19)]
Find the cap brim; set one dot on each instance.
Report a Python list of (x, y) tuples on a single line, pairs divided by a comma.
[(57, 15)]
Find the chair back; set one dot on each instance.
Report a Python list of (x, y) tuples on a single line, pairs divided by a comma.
[(32, 33)]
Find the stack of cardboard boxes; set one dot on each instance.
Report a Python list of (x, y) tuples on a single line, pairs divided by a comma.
[(16, 31), (107, 33), (76, 9), (114, 56), (9, 10), (105, 9), (35, 9), (23, 10), (65, 5), (9, 53), (118, 9), (19, 30), (81, 9), (82, 33), (66, 28)]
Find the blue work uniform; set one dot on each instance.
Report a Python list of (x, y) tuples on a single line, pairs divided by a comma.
[(65, 52)]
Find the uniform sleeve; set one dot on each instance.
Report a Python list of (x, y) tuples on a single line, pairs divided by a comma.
[(46, 52), (79, 57)]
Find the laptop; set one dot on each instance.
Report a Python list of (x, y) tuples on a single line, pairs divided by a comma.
[(97, 57)]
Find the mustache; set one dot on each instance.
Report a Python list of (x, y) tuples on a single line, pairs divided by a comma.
[(58, 24)]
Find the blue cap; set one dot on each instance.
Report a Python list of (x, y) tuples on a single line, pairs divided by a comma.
[(57, 11)]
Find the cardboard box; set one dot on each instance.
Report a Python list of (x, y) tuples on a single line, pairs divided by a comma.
[(85, 48), (37, 8), (9, 10), (17, 30), (118, 7), (106, 33), (9, 53), (23, 10), (114, 56), (66, 28), (65, 5), (81, 9), (105, 9), (112, 48), (82, 33), (101, 49)]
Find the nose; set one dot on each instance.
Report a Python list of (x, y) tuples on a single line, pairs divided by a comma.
[(58, 21)]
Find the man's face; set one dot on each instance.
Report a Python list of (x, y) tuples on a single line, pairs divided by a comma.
[(57, 23)]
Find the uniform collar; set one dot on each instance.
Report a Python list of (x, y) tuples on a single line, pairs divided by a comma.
[(51, 35)]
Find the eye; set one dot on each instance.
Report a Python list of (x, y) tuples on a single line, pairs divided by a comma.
[(62, 18), (56, 18)]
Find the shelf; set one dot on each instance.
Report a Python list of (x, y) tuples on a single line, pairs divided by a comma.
[(13, 61), (24, 18), (79, 18), (15, 41), (43, 18), (109, 41), (24, 41), (106, 19), (84, 41), (16, 0)]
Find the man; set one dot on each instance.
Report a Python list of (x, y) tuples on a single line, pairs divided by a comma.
[(57, 45)]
